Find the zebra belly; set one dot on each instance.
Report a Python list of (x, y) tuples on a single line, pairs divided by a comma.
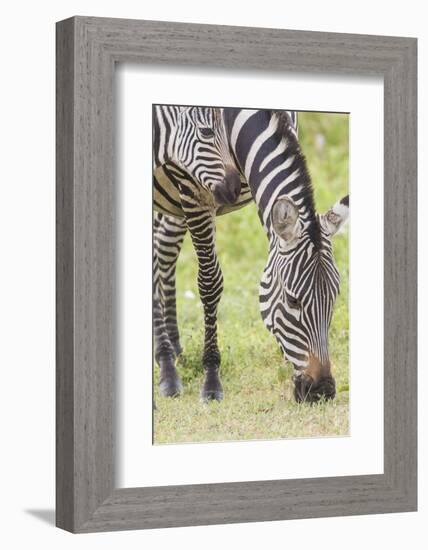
[(167, 199)]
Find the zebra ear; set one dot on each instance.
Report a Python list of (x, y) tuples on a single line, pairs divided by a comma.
[(285, 219), (335, 219)]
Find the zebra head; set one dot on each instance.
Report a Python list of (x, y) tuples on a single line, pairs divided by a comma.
[(298, 291), (202, 150)]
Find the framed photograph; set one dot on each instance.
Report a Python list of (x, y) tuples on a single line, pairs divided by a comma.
[(236, 274)]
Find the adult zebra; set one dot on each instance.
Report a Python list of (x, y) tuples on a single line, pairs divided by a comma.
[(300, 282)]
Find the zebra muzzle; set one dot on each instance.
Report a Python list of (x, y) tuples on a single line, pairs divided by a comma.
[(228, 191), (308, 390)]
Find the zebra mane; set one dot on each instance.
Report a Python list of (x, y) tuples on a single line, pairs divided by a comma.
[(287, 129)]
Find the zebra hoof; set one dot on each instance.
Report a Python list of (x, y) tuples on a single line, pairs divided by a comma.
[(212, 389), (170, 386), (211, 395)]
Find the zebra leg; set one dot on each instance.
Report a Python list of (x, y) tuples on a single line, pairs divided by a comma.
[(169, 381), (210, 283), (170, 233)]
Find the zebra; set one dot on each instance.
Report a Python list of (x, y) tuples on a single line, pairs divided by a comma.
[(190, 142), (194, 178), (300, 282)]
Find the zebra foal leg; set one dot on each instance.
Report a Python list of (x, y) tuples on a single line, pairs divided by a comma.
[(169, 381), (169, 240), (210, 283)]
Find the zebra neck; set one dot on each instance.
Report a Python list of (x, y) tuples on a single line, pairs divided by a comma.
[(165, 119), (285, 180), (268, 154)]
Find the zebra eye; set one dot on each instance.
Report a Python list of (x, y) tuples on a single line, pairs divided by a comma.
[(292, 301), (206, 132)]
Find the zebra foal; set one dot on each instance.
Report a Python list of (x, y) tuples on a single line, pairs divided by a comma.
[(194, 175)]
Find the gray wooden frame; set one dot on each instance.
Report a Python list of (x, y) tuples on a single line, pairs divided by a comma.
[(87, 50)]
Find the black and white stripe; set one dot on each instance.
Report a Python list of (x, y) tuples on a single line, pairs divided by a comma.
[(195, 179), (300, 281)]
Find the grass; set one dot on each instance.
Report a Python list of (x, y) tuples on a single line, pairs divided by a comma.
[(258, 400)]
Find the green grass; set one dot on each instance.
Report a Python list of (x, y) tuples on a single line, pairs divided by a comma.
[(258, 401)]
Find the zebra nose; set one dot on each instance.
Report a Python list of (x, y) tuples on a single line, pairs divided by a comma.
[(315, 383), (307, 390), (227, 192), (318, 369)]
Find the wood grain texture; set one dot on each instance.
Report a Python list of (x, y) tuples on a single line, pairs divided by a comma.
[(87, 50), (64, 277)]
